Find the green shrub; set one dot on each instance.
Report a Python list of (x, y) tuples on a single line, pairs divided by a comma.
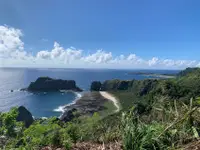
[(73, 130), (8, 124)]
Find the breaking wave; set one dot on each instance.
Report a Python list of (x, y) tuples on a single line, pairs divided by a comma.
[(62, 108)]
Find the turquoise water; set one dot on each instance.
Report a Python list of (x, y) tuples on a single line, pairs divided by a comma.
[(50, 104)]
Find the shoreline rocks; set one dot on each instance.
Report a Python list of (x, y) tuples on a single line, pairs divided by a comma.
[(88, 104), (46, 84)]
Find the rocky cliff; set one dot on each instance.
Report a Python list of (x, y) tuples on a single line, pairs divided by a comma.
[(95, 86), (49, 84), (110, 85), (25, 116), (139, 87)]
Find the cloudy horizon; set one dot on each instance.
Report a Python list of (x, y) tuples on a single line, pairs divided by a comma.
[(13, 54)]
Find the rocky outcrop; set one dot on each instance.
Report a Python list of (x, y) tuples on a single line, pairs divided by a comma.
[(95, 86), (139, 87), (25, 116), (88, 104), (110, 85), (48, 84), (68, 115)]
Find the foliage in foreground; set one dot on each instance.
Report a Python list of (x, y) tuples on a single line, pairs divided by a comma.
[(52, 132), (159, 135), (180, 126)]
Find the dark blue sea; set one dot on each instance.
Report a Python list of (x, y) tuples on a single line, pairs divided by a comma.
[(50, 104)]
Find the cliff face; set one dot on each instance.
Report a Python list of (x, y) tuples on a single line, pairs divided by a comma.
[(95, 86), (116, 85), (109, 85), (49, 84), (24, 116)]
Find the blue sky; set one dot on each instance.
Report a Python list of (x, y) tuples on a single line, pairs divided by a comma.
[(162, 29)]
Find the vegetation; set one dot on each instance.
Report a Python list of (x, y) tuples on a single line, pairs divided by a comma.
[(176, 126), (109, 109), (155, 115)]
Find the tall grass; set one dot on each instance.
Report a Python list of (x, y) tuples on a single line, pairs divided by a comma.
[(162, 134)]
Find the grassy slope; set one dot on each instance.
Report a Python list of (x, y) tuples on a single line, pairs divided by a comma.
[(109, 109), (125, 98)]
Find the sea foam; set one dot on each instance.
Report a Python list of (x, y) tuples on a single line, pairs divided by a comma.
[(59, 109), (62, 108)]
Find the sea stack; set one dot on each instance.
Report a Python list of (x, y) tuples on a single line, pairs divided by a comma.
[(46, 84)]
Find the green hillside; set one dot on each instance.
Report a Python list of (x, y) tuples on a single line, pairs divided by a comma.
[(156, 114)]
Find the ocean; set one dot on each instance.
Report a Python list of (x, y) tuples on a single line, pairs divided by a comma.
[(50, 104)]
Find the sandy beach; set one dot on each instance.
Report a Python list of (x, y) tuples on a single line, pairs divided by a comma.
[(112, 98)]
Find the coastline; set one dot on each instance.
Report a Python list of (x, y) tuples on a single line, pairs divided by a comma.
[(87, 104), (62, 107), (160, 76)]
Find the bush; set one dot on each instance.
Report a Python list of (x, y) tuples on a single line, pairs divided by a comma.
[(48, 133), (73, 131), (8, 124)]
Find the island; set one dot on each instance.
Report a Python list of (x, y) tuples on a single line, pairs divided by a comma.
[(46, 84)]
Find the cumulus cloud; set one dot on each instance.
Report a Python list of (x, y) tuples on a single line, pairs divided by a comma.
[(99, 57), (44, 55), (13, 53), (10, 42), (132, 57), (153, 61), (58, 53)]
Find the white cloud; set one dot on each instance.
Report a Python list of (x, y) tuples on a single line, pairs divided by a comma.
[(99, 57), (135, 60), (43, 55), (10, 42), (60, 54), (178, 63), (13, 53), (132, 57), (153, 61)]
